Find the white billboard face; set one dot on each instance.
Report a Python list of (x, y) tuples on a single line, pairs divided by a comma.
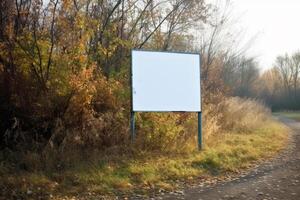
[(163, 81)]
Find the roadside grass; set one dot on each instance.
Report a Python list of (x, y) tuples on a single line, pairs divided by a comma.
[(295, 115), (144, 172)]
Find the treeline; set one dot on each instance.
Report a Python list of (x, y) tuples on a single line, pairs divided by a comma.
[(64, 72), (278, 87), (281, 84)]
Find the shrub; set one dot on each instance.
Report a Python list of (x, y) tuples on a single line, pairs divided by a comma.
[(166, 131), (95, 118)]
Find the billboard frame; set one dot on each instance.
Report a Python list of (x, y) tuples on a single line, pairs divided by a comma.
[(132, 112)]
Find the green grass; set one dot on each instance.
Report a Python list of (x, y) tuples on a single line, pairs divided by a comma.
[(148, 172), (295, 115)]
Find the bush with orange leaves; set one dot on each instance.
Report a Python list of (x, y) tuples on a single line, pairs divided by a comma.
[(95, 118)]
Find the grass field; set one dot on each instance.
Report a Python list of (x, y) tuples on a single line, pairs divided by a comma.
[(144, 173), (292, 115)]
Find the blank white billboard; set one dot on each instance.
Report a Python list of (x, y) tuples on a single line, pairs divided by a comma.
[(164, 81)]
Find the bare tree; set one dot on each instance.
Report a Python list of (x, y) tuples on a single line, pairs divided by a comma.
[(285, 69), (295, 61)]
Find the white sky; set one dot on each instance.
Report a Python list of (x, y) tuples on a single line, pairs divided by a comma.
[(274, 23)]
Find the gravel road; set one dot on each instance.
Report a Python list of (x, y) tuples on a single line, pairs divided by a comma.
[(276, 179)]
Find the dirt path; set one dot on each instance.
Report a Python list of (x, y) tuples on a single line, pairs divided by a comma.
[(277, 179)]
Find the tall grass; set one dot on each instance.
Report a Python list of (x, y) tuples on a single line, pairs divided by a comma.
[(244, 115)]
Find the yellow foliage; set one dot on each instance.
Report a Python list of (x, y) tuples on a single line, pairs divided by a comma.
[(167, 131)]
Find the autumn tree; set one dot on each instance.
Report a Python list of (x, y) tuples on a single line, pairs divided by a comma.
[(65, 63), (280, 85)]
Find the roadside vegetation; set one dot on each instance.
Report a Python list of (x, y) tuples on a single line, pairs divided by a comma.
[(65, 98), (250, 135)]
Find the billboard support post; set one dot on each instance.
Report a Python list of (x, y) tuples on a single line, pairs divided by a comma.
[(200, 145), (132, 126)]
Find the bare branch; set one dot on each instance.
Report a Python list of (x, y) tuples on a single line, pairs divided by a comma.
[(52, 39)]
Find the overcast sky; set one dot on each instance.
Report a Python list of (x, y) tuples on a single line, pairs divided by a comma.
[(275, 23)]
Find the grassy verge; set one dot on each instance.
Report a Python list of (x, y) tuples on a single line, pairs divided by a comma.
[(292, 115), (145, 172)]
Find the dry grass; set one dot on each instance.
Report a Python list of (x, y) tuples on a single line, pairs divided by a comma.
[(251, 135), (244, 115)]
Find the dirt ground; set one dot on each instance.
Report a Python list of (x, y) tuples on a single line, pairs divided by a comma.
[(276, 179)]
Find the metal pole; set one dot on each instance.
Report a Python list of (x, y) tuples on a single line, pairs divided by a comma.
[(132, 126), (200, 145), (132, 120)]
